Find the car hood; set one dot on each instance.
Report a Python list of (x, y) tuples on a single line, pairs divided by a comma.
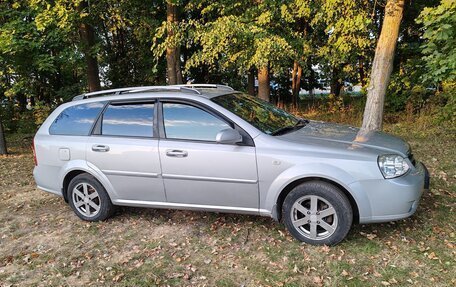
[(323, 131)]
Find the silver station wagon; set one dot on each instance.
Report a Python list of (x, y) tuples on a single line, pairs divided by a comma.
[(208, 147)]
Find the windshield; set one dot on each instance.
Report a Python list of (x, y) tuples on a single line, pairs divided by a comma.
[(262, 115)]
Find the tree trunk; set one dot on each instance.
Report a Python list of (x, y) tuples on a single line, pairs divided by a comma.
[(87, 35), (362, 76), (264, 89), (3, 149), (297, 88), (382, 67), (294, 73), (178, 66), (297, 68), (251, 82), (296, 83), (336, 84), (311, 77), (172, 52), (22, 99)]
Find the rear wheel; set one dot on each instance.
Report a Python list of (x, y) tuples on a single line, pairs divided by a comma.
[(317, 212), (88, 198)]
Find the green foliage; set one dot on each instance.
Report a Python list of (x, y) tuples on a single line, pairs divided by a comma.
[(335, 103), (440, 47), (346, 28), (439, 51), (36, 59), (42, 59), (243, 38), (448, 113), (40, 112)]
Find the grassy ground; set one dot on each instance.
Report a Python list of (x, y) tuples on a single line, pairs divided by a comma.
[(43, 243)]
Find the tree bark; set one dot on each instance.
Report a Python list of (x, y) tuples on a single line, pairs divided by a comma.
[(296, 83), (264, 90), (382, 67), (362, 75), (172, 52), (251, 82), (178, 67), (311, 79), (3, 149), (87, 35), (336, 84), (297, 88)]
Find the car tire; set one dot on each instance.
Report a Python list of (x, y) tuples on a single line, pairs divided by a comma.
[(318, 213), (89, 199)]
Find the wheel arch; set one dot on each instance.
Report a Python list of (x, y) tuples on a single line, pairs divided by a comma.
[(76, 167), (277, 212), (67, 179)]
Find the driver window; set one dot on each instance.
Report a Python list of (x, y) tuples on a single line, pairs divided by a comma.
[(183, 121)]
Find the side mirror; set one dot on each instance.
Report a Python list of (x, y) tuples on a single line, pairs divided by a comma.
[(228, 136)]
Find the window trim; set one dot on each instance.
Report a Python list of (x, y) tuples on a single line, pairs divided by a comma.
[(97, 131), (247, 139)]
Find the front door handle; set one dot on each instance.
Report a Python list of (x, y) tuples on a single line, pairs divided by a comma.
[(176, 153), (100, 148)]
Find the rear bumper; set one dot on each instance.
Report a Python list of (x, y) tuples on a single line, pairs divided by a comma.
[(391, 199), (45, 180)]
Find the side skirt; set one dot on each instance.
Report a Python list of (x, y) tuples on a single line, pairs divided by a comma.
[(196, 207)]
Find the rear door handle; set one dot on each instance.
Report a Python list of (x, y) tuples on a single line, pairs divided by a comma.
[(100, 148), (176, 153)]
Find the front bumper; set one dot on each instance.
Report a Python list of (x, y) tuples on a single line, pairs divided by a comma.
[(386, 200)]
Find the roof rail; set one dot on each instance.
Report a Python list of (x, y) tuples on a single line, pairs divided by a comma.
[(206, 86), (178, 88), (162, 89), (119, 91)]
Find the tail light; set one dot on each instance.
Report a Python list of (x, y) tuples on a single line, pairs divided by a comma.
[(34, 152)]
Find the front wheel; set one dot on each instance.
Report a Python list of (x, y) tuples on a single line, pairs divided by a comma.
[(317, 213), (88, 198)]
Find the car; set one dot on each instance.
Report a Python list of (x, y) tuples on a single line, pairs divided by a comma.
[(211, 148)]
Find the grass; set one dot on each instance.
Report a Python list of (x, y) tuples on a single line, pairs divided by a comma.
[(43, 243)]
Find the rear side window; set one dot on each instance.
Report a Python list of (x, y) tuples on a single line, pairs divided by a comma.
[(135, 119), (76, 120)]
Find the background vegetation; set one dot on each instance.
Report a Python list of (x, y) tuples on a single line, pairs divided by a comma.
[(51, 51)]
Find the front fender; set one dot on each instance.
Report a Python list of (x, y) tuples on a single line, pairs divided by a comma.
[(313, 170)]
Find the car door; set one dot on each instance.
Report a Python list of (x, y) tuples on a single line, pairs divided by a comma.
[(124, 148), (198, 171)]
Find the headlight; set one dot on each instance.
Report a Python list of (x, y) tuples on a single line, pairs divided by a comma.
[(392, 165)]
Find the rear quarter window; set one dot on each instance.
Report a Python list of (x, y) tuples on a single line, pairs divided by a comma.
[(76, 120)]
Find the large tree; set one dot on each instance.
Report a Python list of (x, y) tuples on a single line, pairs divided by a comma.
[(255, 38), (264, 86), (87, 35), (382, 67), (173, 49)]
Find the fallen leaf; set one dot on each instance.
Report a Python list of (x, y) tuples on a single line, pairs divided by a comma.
[(432, 256), (118, 277), (318, 280)]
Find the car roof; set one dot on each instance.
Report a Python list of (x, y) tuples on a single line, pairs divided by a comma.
[(204, 90)]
